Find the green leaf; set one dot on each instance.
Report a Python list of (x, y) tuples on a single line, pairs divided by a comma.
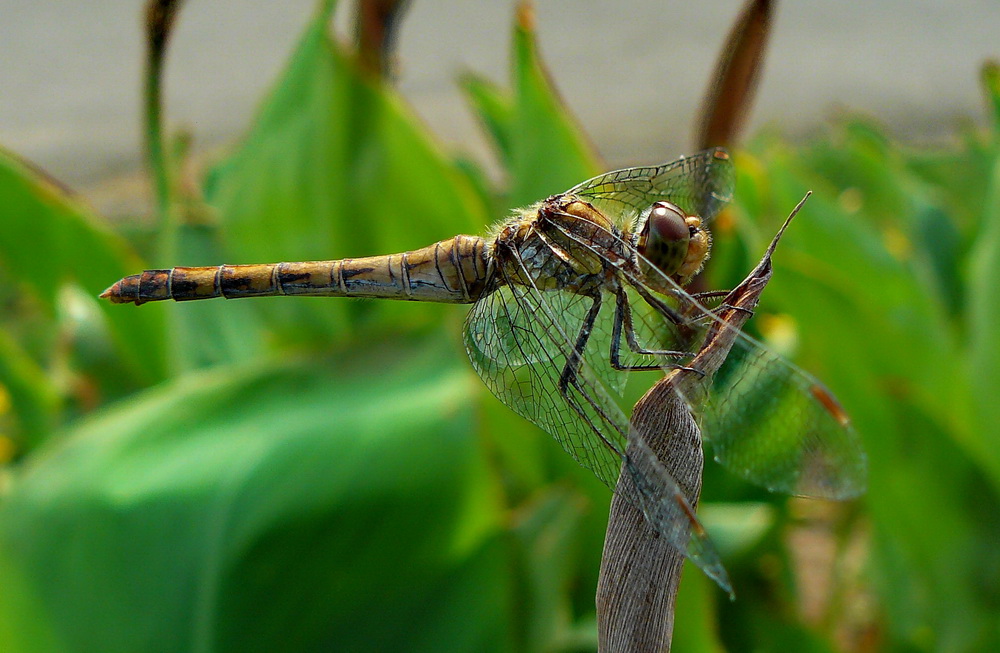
[(496, 112), (335, 165), (825, 273), (540, 146), (34, 399), (337, 505), (48, 238), (548, 151), (736, 527), (984, 327)]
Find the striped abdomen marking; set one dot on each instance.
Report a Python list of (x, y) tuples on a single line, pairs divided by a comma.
[(451, 271)]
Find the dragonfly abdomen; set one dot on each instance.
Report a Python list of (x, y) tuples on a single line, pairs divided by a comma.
[(450, 271)]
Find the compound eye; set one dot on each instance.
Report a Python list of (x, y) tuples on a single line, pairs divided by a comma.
[(665, 237), (666, 223)]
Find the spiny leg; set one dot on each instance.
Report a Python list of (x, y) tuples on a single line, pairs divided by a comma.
[(724, 305), (710, 294), (660, 306), (715, 294), (623, 320), (685, 321), (575, 359), (570, 374), (569, 378)]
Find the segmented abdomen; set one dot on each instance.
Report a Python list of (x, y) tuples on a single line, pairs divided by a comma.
[(451, 271)]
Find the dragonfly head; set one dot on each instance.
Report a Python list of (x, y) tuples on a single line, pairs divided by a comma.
[(674, 243)]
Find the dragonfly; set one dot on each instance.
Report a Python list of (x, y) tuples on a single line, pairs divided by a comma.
[(570, 297)]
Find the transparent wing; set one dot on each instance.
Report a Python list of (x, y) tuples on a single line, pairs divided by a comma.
[(701, 184), (519, 340), (775, 425)]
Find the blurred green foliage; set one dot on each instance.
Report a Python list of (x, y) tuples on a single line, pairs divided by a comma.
[(296, 474)]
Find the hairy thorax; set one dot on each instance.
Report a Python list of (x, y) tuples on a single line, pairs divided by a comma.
[(561, 243)]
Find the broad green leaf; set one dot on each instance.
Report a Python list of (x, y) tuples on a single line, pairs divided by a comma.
[(937, 248), (338, 505), (959, 181), (24, 625), (737, 527), (48, 238), (984, 327), (496, 111), (200, 334), (549, 153), (919, 224), (931, 556), (540, 146), (334, 166), (32, 396), (773, 632), (849, 292)]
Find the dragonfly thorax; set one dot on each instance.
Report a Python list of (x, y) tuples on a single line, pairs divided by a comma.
[(561, 244)]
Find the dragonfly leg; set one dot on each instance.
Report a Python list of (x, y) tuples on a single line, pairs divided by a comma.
[(572, 367), (724, 305), (702, 315), (710, 294), (570, 379), (730, 307), (623, 321), (660, 306)]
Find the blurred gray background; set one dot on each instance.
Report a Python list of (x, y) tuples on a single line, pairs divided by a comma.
[(70, 77)]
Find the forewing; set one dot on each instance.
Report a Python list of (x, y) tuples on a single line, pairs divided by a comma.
[(701, 184), (519, 340), (775, 425)]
